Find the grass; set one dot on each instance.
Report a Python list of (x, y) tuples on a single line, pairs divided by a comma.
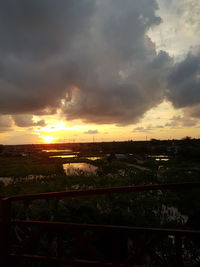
[(21, 167)]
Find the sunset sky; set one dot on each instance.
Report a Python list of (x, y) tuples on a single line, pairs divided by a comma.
[(99, 70)]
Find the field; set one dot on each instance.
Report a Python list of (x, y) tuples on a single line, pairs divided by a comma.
[(34, 171)]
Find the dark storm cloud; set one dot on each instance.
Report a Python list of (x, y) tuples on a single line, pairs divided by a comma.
[(121, 78), (90, 59), (38, 28), (184, 82), (184, 87), (34, 38)]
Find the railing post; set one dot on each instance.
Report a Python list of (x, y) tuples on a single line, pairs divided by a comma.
[(5, 232)]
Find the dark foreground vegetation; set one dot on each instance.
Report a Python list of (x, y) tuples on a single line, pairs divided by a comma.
[(32, 171)]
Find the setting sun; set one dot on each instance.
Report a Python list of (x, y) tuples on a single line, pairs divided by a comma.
[(48, 139)]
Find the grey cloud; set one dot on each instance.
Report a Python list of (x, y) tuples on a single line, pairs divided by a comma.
[(184, 82), (6, 123), (36, 29), (123, 68), (26, 120), (189, 122), (95, 56), (179, 121), (40, 123), (172, 124), (193, 111), (148, 128), (143, 129), (159, 126), (139, 129), (35, 36), (92, 132)]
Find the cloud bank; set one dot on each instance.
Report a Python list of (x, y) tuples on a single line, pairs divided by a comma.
[(89, 60)]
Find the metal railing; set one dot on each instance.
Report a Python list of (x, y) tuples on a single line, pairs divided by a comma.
[(84, 241)]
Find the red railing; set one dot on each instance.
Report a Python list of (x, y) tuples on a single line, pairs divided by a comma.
[(78, 230)]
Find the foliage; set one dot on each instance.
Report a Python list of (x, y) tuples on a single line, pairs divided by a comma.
[(152, 209), (23, 166)]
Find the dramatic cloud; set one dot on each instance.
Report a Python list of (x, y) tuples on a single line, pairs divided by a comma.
[(89, 59), (34, 44), (121, 71)]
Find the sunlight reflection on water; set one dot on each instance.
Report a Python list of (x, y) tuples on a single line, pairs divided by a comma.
[(79, 168)]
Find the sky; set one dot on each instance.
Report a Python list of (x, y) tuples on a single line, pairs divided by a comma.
[(99, 70)]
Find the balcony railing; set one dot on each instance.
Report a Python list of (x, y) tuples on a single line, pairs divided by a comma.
[(82, 247)]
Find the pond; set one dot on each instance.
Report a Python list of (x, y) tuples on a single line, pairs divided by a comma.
[(94, 158), (79, 168), (57, 150), (160, 157), (64, 156)]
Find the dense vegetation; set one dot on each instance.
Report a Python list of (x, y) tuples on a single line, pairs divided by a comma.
[(152, 209)]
